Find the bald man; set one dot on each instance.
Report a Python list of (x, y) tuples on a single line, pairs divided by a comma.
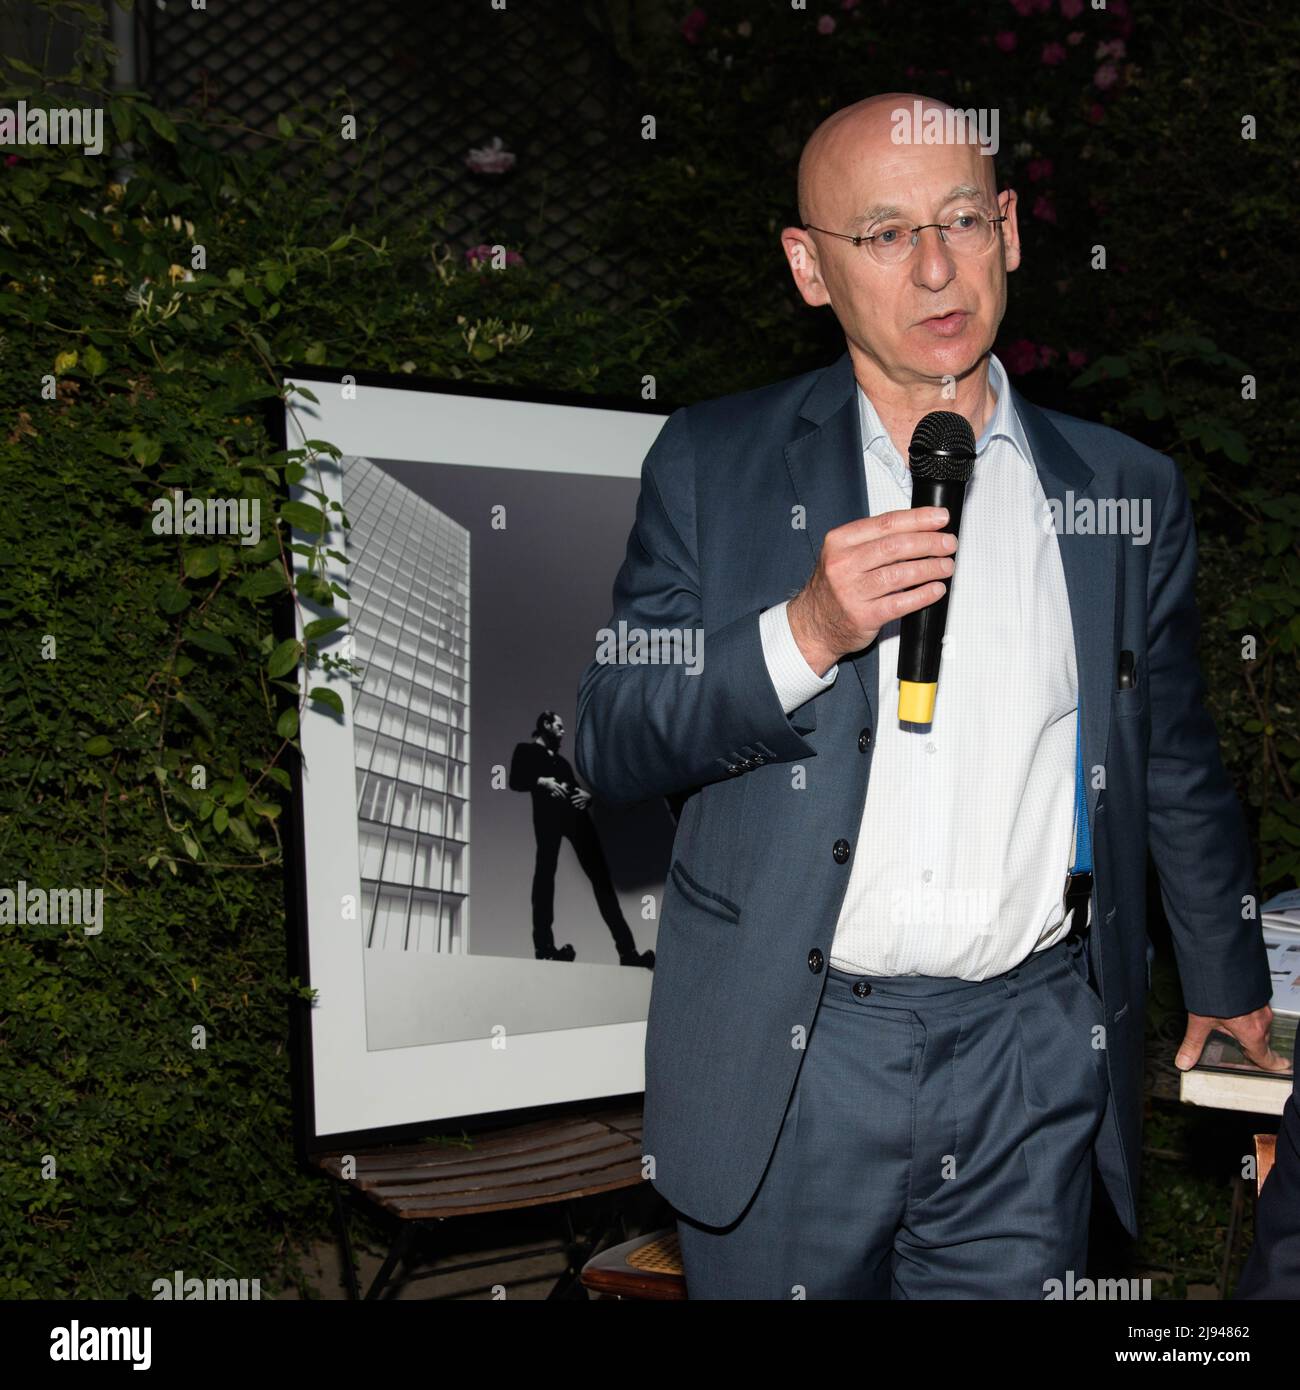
[(901, 967)]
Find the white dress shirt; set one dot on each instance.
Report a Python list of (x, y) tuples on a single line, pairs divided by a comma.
[(968, 829)]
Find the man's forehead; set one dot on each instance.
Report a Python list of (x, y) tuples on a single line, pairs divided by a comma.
[(872, 182)]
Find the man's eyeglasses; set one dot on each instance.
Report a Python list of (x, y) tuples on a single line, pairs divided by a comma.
[(970, 233)]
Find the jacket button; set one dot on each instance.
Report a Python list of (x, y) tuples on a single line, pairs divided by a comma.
[(840, 851), (815, 961), (861, 988), (864, 740)]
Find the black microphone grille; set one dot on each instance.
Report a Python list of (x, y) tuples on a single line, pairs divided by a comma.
[(943, 447)]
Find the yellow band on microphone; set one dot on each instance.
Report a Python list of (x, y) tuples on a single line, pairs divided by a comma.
[(916, 701)]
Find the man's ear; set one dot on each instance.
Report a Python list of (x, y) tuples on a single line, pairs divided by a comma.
[(1011, 230), (801, 254)]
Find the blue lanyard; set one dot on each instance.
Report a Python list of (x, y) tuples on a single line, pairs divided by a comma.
[(1082, 840)]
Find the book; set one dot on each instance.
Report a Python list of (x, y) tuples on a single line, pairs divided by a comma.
[(1224, 1078)]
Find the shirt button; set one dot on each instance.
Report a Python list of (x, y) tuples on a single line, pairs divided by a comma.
[(864, 740), (815, 961), (840, 851)]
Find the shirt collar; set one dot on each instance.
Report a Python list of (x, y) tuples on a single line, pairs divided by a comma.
[(1004, 423)]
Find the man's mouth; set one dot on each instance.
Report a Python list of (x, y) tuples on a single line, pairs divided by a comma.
[(946, 325)]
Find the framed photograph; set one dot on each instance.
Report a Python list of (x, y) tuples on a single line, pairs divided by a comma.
[(479, 927)]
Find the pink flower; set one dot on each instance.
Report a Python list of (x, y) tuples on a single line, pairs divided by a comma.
[(1106, 76), (1053, 54), (1071, 9), (1024, 8), (693, 25), (481, 255), (1043, 209), (1113, 49), (1021, 357), (1039, 169), (825, 25), (1075, 37), (1076, 359), (490, 159), (849, 4), (1005, 40), (1096, 113), (11, 160), (1047, 355)]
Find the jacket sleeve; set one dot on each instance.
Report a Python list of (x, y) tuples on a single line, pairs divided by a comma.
[(645, 729), (1197, 830)]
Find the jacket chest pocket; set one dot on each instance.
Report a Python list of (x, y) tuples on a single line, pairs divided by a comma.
[(1129, 702)]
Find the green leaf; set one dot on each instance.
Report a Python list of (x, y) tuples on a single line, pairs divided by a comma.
[(305, 517), (263, 583), (210, 642), (96, 362), (239, 829), (321, 626), (266, 549), (285, 657), (329, 698), (312, 586), (284, 125), (99, 746), (200, 563), (287, 724), (145, 450), (220, 819), (123, 118), (1104, 368), (160, 123), (172, 597)]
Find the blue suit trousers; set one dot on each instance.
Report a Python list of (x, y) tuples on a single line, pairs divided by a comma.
[(937, 1144)]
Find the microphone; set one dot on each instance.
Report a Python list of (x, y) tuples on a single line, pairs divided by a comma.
[(942, 455)]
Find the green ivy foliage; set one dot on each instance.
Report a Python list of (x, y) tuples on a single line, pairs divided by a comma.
[(148, 297), (131, 365)]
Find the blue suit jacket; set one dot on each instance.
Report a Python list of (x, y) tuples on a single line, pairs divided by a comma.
[(753, 893)]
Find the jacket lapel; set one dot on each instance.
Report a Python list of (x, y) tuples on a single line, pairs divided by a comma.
[(829, 480), (1090, 563)]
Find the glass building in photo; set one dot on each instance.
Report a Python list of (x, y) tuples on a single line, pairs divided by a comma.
[(409, 616)]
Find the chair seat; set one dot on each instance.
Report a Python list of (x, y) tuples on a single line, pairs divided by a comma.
[(648, 1267), (1265, 1148)]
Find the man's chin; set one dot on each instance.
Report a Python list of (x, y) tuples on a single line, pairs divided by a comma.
[(952, 358)]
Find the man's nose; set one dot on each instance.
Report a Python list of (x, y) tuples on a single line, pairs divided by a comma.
[(932, 260)]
